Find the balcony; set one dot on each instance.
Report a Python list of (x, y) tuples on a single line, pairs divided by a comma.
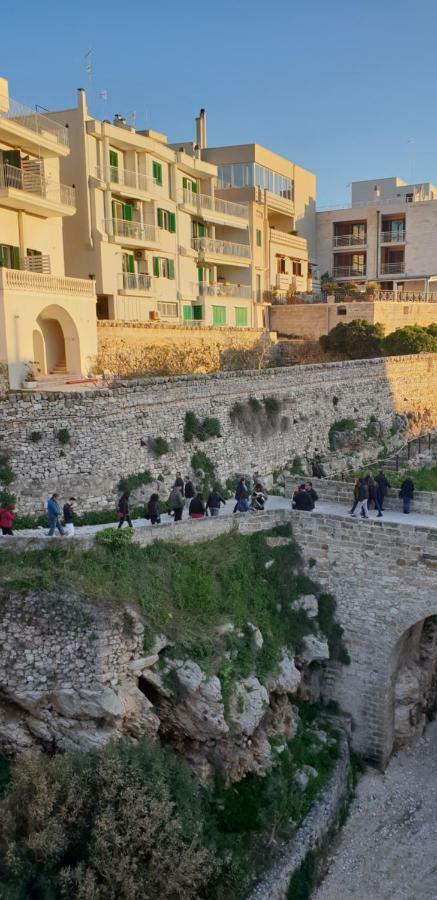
[(393, 237), (36, 263), (393, 268), (26, 189), (350, 240), (206, 289), (214, 208), (210, 247), (129, 232), (124, 178), (135, 281), (32, 131), (349, 271), (20, 280)]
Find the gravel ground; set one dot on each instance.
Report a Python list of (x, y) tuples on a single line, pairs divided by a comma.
[(388, 847)]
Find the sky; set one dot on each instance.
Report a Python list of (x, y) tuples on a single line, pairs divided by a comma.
[(346, 89)]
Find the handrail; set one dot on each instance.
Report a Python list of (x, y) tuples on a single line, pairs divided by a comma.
[(31, 182), (124, 177), (395, 457), (214, 204), (126, 228), (34, 121), (226, 247), (393, 237)]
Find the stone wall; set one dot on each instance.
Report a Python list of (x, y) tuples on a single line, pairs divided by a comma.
[(311, 320), (110, 428)]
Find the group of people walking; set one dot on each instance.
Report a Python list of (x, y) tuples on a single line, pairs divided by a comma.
[(305, 497), (370, 490)]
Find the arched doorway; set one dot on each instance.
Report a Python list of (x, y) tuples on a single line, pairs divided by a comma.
[(414, 680), (60, 341)]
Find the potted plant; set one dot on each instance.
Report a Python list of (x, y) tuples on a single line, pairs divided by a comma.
[(29, 380)]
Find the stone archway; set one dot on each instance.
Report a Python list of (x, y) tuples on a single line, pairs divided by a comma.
[(61, 340), (414, 680)]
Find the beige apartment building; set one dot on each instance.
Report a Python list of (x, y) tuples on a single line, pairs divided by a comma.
[(151, 230), (388, 234), (47, 321)]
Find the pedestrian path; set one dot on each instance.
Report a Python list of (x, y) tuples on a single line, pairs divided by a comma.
[(273, 504)]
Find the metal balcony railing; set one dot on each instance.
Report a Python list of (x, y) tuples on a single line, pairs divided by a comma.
[(227, 248), (35, 121), (36, 263), (135, 281), (349, 271), (29, 180), (134, 230), (213, 204), (218, 289), (393, 268), (350, 240), (124, 177), (392, 237)]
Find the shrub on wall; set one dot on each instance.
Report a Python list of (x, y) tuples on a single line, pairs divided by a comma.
[(35, 436), (202, 430), (158, 446), (7, 475), (256, 416), (131, 482), (63, 436)]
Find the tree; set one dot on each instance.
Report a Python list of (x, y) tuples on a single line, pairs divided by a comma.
[(411, 339), (354, 340)]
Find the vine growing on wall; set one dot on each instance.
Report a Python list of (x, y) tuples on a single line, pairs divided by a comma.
[(259, 416)]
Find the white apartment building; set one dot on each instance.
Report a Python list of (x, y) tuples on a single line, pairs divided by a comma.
[(151, 230), (388, 234), (47, 321)]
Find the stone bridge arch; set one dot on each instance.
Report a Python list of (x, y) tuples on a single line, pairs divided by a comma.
[(384, 577)]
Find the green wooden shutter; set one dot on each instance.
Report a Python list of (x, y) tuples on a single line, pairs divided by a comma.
[(157, 172), (160, 218), (113, 158), (197, 312), (127, 212), (186, 313), (219, 315), (15, 257), (184, 185), (172, 222), (201, 229), (156, 266), (199, 273), (241, 316), (258, 238), (2, 255), (131, 263), (170, 268), (194, 187)]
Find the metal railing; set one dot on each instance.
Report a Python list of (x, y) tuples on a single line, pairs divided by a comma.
[(418, 197), (393, 237), (349, 240), (19, 279), (227, 248), (134, 230), (135, 281), (28, 180), (405, 296), (393, 268), (35, 121), (349, 271), (206, 289), (213, 204), (36, 263), (124, 177)]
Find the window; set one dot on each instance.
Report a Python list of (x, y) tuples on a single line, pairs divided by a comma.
[(9, 256), (157, 172), (281, 265), (163, 267), (219, 315), (241, 316), (169, 310), (166, 220), (11, 158), (258, 288), (189, 185), (341, 310), (254, 175), (258, 237), (297, 267), (122, 210), (197, 229), (113, 165), (128, 263)]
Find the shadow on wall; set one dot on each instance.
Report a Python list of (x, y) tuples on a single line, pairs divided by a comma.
[(413, 387)]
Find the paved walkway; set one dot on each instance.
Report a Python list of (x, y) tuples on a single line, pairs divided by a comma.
[(273, 503)]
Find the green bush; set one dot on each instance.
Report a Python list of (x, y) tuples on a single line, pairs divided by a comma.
[(204, 470), (158, 446), (354, 340), (296, 467), (204, 430), (7, 499), (35, 436), (7, 476), (340, 425), (411, 339), (114, 538), (131, 482), (63, 436)]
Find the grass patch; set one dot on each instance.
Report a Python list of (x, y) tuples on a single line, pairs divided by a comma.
[(131, 482), (158, 446), (202, 430)]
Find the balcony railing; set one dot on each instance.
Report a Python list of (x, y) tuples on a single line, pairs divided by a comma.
[(168, 310), (227, 248), (392, 237), (206, 289), (135, 281), (124, 177), (213, 204), (350, 240), (393, 268), (349, 271), (35, 121), (36, 263), (30, 181), (18, 279), (133, 230)]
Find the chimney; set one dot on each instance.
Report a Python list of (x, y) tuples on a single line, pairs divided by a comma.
[(81, 100), (201, 130)]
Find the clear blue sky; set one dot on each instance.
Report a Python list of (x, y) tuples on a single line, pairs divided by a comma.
[(340, 87)]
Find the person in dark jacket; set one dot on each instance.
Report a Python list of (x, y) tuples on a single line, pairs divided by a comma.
[(123, 510), (213, 501), (259, 498), (188, 490), (179, 482), (53, 513), (406, 493), (362, 498), (356, 497), (382, 486), (197, 507), (310, 490), (176, 503), (302, 499), (373, 493), (242, 497), (153, 511), (68, 514)]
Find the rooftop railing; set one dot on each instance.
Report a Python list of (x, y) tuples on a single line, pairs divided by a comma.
[(35, 121)]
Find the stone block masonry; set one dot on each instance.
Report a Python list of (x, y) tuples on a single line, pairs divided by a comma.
[(109, 429)]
